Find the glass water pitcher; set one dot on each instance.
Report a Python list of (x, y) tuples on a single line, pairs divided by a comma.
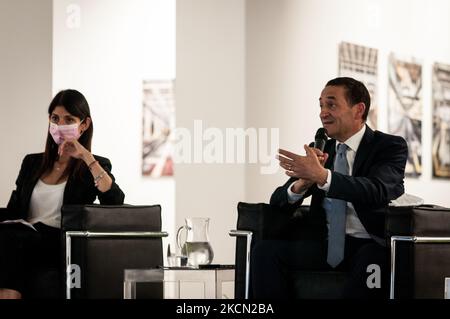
[(196, 246)]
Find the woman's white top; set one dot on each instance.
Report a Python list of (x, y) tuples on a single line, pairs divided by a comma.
[(46, 202)]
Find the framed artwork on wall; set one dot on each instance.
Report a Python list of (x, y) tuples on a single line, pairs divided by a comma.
[(441, 120), (405, 108), (361, 63), (158, 124)]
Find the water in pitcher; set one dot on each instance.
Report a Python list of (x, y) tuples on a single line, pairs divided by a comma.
[(199, 253), (196, 247)]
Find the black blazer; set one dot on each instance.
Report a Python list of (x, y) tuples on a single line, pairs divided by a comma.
[(78, 190), (378, 173)]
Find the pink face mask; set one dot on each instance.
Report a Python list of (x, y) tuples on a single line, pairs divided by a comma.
[(61, 133)]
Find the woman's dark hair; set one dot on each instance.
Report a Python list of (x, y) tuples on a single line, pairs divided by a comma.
[(76, 104), (356, 92)]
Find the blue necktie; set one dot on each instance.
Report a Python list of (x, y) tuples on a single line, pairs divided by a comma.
[(336, 210)]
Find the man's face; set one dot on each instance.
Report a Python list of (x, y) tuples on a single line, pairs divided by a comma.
[(340, 119)]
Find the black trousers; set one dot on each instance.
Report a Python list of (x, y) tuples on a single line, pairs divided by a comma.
[(25, 252), (271, 260)]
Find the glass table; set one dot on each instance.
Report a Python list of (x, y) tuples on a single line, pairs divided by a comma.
[(183, 282)]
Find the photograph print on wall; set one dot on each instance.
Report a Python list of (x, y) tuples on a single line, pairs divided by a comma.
[(361, 63), (405, 108), (441, 120), (158, 128)]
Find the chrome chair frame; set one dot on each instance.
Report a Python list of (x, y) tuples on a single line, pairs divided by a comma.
[(249, 236), (412, 239), (69, 234)]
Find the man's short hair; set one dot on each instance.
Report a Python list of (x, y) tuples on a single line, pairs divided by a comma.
[(356, 92)]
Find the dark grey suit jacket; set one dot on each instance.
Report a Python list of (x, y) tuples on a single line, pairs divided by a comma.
[(378, 173)]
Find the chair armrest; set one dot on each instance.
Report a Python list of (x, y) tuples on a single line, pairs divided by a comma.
[(423, 220), (256, 222), (242, 288), (266, 221), (6, 214), (111, 218), (398, 221), (431, 220)]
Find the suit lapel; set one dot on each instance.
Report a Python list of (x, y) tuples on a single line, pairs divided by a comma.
[(363, 150), (331, 150), (68, 191)]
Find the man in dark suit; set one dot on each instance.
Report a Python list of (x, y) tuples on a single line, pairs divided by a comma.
[(351, 182)]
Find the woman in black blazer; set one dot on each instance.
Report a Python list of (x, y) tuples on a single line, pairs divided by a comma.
[(66, 173)]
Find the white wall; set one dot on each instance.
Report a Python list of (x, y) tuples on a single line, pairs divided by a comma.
[(240, 63), (25, 84), (210, 87), (105, 49), (292, 51)]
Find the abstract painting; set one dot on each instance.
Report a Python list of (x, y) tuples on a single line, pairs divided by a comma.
[(405, 108), (361, 63), (158, 128), (441, 120)]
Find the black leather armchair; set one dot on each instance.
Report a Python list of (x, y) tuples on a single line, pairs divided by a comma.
[(422, 259), (99, 242), (103, 241), (420, 250), (265, 222)]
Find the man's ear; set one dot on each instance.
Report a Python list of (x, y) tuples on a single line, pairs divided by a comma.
[(360, 109)]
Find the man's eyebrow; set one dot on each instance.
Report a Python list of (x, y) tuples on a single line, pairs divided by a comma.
[(331, 97)]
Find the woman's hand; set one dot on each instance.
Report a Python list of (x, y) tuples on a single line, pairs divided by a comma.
[(72, 148)]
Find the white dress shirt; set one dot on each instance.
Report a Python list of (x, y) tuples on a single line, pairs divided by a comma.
[(353, 227)]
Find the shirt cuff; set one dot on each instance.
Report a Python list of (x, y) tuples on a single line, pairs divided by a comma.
[(294, 197), (326, 186)]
